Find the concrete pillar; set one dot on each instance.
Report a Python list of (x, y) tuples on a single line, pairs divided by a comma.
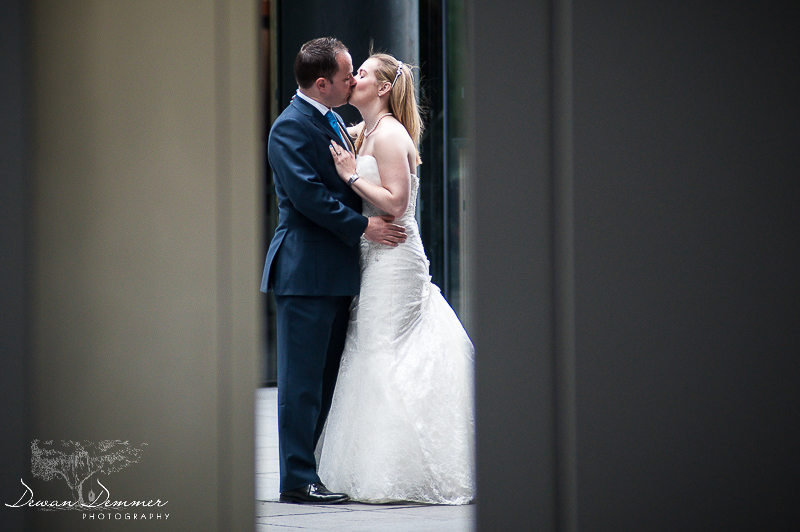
[(146, 202)]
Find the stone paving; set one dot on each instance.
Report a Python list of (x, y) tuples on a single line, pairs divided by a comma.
[(275, 516)]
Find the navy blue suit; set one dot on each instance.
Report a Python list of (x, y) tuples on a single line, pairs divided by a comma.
[(312, 267)]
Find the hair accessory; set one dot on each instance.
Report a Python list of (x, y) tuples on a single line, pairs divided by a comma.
[(399, 69)]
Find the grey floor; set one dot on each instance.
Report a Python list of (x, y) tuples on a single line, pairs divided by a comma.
[(281, 517)]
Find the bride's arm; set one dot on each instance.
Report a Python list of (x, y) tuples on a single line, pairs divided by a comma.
[(355, 130), (391, 153)]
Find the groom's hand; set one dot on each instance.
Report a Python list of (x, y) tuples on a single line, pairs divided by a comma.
[(381, 230)]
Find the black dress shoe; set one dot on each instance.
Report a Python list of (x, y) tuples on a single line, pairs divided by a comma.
[(315, 493)]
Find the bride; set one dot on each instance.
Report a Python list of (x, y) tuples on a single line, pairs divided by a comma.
[(401, 424)]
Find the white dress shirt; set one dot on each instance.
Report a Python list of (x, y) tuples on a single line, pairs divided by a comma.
[(321, 108)]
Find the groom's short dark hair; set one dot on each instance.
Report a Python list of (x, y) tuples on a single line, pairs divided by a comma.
[(317, 59)]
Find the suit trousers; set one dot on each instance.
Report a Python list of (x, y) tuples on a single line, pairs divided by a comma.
[(311, 333)]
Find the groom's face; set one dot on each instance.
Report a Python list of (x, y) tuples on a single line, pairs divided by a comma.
[(341, 86)]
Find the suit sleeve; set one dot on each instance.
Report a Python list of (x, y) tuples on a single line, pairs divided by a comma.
[(292, 156)]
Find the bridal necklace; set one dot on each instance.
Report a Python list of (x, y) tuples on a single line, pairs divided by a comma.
[(368, 133)]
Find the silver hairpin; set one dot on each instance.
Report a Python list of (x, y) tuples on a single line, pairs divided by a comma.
[(399, 69)]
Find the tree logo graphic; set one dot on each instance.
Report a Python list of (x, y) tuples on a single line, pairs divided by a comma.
[(78, 461)]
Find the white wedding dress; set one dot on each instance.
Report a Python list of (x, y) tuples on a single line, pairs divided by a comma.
[(401, 427)]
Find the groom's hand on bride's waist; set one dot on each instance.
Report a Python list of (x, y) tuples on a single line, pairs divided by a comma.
[(381, 230)]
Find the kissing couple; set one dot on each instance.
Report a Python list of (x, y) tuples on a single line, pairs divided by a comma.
[(375, 371)]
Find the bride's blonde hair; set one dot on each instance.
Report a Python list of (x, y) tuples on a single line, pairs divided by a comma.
[(402, 97)]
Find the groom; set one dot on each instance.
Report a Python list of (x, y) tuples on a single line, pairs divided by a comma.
[(312, 263)]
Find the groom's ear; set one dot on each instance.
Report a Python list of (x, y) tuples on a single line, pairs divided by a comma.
[(322, 84)]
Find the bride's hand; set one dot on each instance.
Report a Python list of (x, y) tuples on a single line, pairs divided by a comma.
[(344, 160)]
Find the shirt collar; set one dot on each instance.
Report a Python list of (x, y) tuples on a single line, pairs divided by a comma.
[(321, 108)]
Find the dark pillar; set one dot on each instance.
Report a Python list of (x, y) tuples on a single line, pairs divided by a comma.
[(391, 24), (514, 270), (687, 201), (13, 265), (685, 130)]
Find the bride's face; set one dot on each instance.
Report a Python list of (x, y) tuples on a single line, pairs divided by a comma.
[(367, 85)]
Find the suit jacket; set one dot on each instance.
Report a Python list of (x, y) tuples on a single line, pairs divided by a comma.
[(315, 250)]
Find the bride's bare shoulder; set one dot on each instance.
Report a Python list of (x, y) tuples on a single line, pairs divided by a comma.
[(393, 133)]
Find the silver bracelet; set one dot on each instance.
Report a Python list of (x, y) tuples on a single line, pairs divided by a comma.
[(353, 179)]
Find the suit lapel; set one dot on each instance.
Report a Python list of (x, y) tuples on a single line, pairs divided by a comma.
[(345, 135), (319, 120)]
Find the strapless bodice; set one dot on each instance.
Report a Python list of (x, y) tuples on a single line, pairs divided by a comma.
[(367, 169)]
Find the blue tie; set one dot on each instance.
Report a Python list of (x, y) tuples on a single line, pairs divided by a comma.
[(335, 125)]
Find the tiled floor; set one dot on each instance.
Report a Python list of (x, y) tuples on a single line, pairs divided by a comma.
[(272, 515)]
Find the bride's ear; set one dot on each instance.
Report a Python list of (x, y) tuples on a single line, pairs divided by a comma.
[(385, 88)]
